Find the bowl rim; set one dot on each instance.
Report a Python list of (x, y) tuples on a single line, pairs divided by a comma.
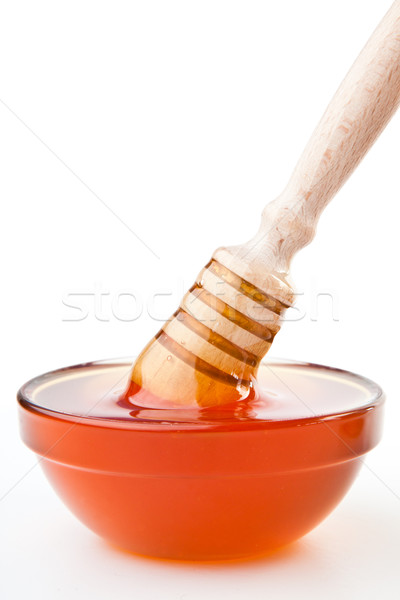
[(377, 396)]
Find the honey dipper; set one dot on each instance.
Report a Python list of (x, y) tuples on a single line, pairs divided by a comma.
[(209, 351)]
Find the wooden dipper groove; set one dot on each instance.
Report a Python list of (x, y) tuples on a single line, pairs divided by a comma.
[(209, 351)]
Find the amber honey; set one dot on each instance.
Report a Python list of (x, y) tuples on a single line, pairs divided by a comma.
[(215, 483)]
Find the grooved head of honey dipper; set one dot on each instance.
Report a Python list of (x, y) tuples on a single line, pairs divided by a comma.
[(208, 353)]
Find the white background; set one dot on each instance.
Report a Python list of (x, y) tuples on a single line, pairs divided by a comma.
[(184, 119)]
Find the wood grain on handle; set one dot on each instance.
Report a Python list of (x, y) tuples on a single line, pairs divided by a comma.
[(359, 111)]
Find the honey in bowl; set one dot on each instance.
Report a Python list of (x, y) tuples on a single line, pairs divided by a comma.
[(201, 483)]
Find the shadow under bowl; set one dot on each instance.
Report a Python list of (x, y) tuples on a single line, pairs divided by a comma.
[(201, 484)]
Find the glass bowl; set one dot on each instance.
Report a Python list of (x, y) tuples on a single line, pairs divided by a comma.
[(201, 484)]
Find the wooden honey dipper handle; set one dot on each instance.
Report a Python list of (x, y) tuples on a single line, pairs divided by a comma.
[(359, 111), (209, 351)]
